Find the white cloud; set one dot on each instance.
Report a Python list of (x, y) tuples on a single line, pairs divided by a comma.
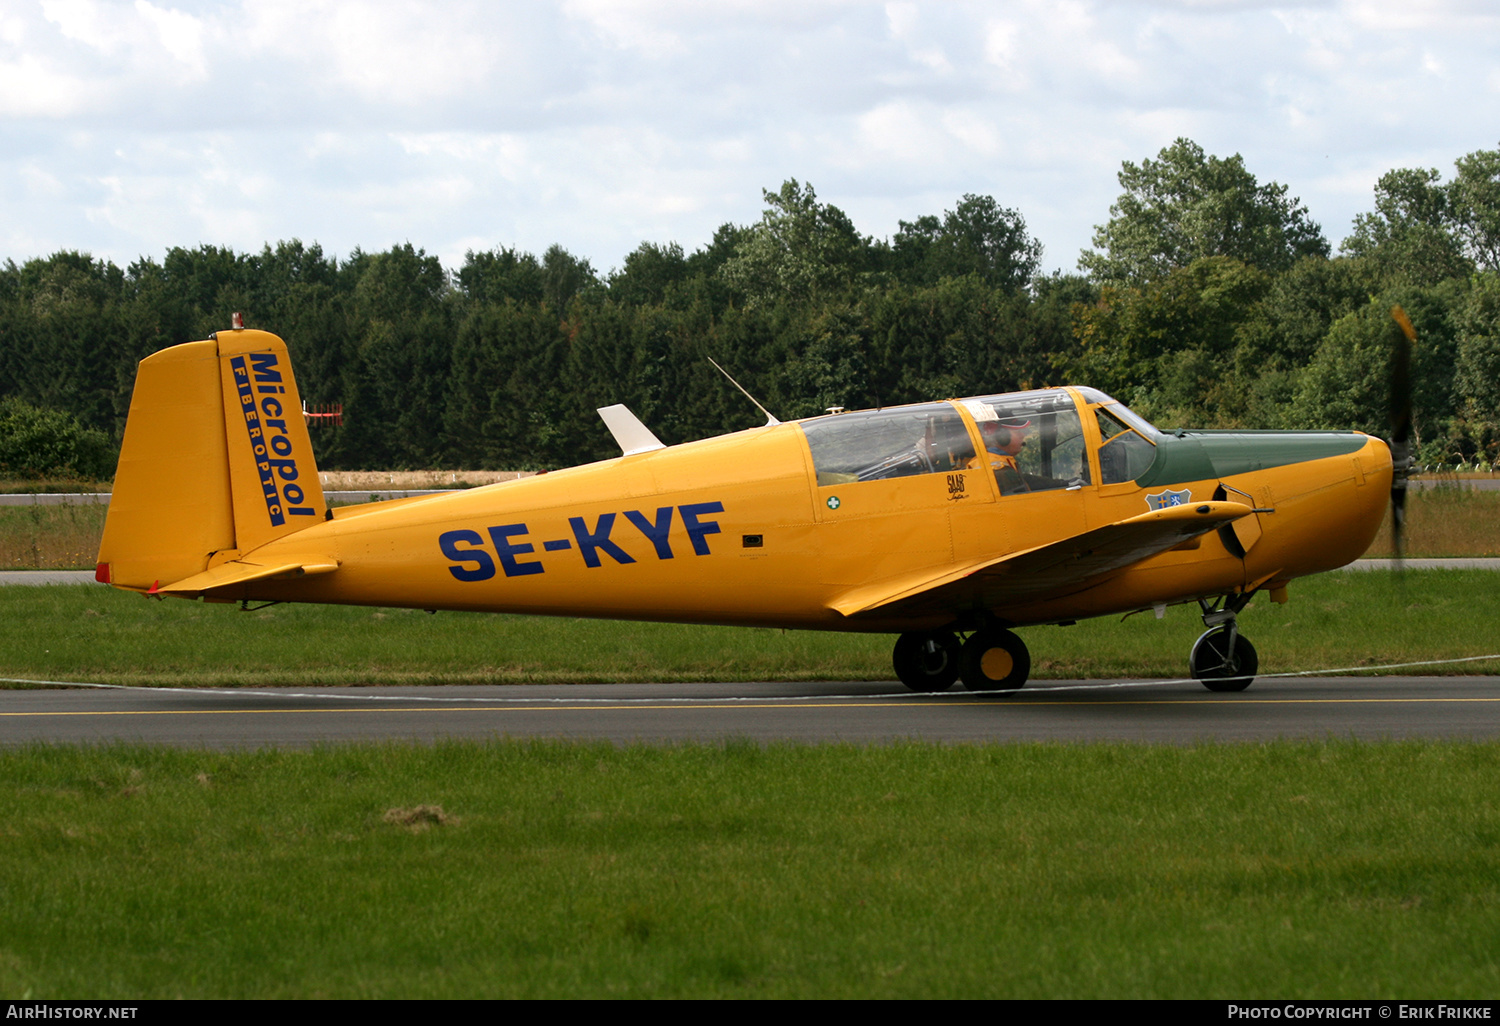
[(1427, 16), (630, 26), (33, 88), (902, 18), (977, 133), (132, 40), (97, 26), (39, 184), (181, 35), (405, 54)]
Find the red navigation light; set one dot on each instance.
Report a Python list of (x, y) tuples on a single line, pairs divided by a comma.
[(101, 573), (236, 321)]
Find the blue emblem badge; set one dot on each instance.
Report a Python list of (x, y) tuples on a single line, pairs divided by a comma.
[(1161, 500)]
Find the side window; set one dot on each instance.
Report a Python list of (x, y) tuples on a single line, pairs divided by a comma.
[(1070, 459), (1125, 454), (879, 444), (1033, 440)]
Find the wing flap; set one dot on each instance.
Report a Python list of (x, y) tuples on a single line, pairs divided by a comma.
[(1046, 571)]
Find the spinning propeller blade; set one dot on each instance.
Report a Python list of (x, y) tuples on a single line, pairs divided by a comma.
[(1401, 458)]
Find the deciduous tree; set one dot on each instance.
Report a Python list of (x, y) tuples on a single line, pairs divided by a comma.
[(1410, 238), (798, 250), (978, 236), (1185, 206)]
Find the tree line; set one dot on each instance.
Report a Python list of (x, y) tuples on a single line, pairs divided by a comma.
[(1208, 299)]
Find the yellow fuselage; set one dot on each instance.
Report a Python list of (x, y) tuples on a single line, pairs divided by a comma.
[(736, 530)]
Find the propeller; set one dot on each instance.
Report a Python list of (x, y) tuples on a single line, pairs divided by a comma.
[(1401, 458)]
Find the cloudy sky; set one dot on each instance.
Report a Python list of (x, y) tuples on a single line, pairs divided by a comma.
[(129, 127)]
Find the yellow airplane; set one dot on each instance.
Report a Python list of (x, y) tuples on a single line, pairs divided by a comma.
[(938, 521)]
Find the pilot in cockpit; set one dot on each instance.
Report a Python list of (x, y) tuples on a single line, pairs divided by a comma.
[(1003, 441)]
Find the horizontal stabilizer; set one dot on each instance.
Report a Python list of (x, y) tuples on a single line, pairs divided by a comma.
[(1044, 572), (631, 435), (242, 572)]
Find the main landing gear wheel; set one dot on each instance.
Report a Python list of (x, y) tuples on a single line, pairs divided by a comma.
[(1220, 664), (926, 660), (994, 660)]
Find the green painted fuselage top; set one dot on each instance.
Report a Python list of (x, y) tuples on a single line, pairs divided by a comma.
[(1201, 455)]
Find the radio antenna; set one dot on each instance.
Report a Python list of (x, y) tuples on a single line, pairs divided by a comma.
[(771, 421)]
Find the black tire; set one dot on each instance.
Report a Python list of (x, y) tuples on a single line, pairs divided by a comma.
[(1216, 668), (994, 660), (926, 660)]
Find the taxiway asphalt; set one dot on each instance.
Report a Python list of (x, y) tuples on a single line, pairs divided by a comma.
[(1369, 708)]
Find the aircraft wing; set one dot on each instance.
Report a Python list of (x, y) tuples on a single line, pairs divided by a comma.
[(1047, 571)]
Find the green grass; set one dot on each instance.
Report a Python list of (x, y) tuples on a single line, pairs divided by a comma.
[(1446, 521), (87, 632), (35, 485), (64, 537), (1288, 870)]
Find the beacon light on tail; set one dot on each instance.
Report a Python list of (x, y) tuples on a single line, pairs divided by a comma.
[(949, 524)]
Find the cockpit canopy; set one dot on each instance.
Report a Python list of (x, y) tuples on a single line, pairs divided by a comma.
[(1041, 435), (898, 442), (1034, 441)]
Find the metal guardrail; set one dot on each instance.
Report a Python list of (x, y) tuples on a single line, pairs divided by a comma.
[(25, 577), (1434, 477), (55, 499), (102, 498)]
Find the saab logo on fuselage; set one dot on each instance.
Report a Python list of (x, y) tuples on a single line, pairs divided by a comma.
[(262, 392), (473, 560), (1161, 500)]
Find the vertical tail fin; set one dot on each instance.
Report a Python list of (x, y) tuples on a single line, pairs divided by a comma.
[(216, 461)]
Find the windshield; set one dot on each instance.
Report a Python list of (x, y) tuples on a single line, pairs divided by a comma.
[(1125, 454), (1122, 412)]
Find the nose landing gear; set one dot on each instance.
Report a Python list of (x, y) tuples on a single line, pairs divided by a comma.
[(1223, 659)]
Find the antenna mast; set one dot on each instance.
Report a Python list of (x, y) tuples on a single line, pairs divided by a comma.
[(771, 421)]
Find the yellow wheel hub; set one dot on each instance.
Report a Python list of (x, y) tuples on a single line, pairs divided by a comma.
[(996, 663)]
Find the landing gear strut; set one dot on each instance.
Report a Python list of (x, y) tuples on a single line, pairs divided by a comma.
[(926, 660), (1223, 659)]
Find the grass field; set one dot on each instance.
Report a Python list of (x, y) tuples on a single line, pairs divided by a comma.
[(50, 485), (1308, 870), (90, 633), (1447, 522), (50, 537), (514, 869)]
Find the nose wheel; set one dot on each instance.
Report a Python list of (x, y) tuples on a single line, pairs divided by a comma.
[(926, 660), (1222, 658)]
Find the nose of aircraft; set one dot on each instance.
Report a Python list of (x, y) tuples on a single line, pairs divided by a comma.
[(1328, 510)]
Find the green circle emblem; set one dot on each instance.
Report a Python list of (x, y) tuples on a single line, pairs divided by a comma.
[(833, 502)]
